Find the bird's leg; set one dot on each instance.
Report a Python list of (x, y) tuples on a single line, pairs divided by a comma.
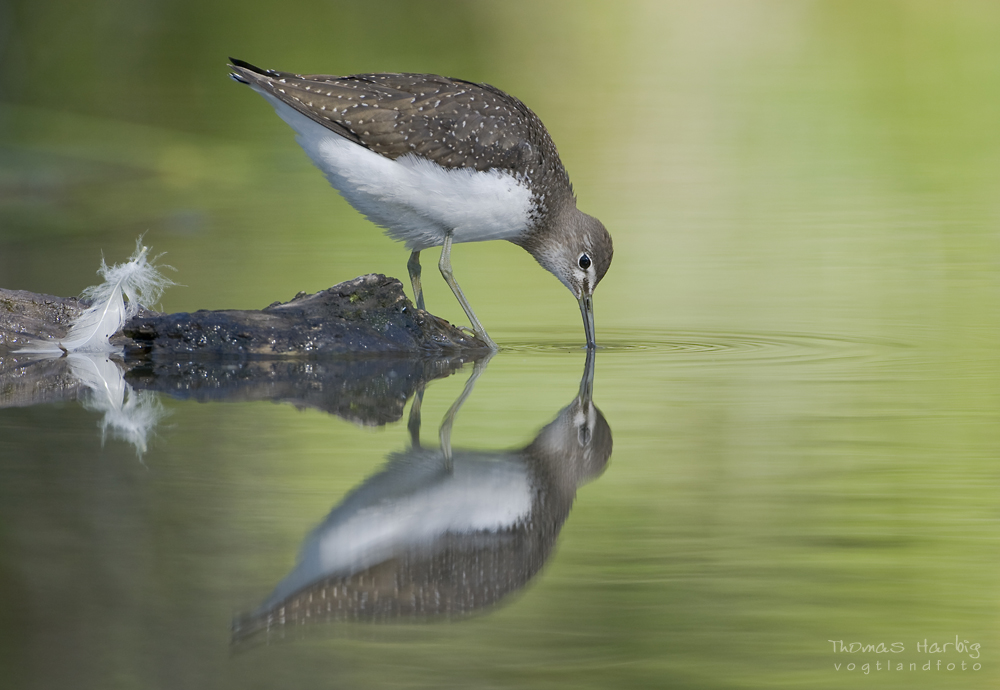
[(413, 423), (413, 265), (444, 433), (445, 265)]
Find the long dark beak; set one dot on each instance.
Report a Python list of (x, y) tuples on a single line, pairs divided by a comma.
[(587, 382), (587, 309)]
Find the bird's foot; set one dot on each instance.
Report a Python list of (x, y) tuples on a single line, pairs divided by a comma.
[(480, 336)]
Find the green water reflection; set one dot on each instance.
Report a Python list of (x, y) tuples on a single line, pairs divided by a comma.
[(801, 330)]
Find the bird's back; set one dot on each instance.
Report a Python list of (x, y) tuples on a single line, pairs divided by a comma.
[(454, 123)]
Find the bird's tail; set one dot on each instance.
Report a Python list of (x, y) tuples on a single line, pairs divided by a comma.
[(244, 72)]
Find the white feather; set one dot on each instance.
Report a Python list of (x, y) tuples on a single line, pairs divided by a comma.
[(414, 199), (136, 280)]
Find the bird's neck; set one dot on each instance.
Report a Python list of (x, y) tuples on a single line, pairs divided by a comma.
[(558, 218)]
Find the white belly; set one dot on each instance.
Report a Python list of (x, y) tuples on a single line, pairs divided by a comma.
[(415, 200), (412, 505)]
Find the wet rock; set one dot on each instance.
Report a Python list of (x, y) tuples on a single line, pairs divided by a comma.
[(369, 314), (29, 315), (366, 315)]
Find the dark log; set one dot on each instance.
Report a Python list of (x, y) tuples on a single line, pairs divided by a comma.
[(358, 350), (370, 314), (28, 316)]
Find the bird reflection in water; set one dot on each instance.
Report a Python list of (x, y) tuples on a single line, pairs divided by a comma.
[(441, 532)]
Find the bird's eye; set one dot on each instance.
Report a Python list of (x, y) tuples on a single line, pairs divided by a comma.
[(584, 261)]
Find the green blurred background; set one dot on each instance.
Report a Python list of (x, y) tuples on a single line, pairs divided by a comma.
[(800, 331)]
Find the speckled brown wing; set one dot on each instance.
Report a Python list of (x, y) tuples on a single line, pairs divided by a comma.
[(454, 123)]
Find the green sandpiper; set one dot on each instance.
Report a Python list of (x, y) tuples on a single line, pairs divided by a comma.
[(437, 161)]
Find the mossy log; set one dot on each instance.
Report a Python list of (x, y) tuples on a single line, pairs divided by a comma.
[(370, 314)]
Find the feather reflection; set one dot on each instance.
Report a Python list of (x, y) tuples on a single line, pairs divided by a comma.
[(94, 379)]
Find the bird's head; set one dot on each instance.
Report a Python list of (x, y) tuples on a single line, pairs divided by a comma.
[(576, 445), (576, 249)]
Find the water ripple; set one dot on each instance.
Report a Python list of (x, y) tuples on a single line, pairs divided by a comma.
[(708, 346)]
